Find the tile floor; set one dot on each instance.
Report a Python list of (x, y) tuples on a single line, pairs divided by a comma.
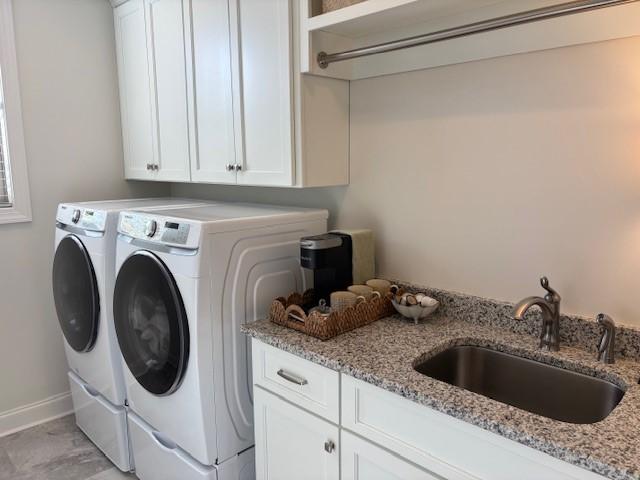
[(56, 450)]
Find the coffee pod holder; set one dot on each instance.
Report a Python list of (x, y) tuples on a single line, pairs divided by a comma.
[(289, 312)]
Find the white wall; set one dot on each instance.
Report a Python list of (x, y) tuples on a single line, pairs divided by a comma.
[(66, 59), (481, 177)]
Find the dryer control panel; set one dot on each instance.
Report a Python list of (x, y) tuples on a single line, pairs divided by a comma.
[(84, 218), (159, 229)]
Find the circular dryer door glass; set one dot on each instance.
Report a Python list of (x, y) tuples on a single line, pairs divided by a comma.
[(151, 323), (75, 293)]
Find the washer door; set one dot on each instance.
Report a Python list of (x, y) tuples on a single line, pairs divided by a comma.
[(75, 292), (151, 323)]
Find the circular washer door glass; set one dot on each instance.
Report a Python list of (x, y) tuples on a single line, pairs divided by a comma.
[(151, 323), (75, 293)]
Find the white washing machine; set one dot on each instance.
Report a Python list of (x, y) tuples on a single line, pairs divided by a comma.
[(83, 278), (186, 280)]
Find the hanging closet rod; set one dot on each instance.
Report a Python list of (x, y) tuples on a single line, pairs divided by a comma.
[(545, 13)]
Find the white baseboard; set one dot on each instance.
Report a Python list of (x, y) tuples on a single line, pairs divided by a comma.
[(27, 416)]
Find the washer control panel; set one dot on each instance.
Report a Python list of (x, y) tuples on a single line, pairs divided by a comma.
[(146, 226), (175, 232), (85, 218)]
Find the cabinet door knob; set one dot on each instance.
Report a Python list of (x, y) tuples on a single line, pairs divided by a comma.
[(238, 167), (329, 446), (230, 167), (156, 167), (149, 166)]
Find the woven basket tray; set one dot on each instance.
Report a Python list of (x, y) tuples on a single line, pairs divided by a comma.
[(326, 327)]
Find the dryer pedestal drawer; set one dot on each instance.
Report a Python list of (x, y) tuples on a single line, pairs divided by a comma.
[(158, 458), (105, 424), (304, 383)]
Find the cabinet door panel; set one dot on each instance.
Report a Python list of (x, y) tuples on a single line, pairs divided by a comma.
[(434, 440), (212, 130), (290, 443), (135, 93), (362, 460), (165, 40), (264, 30)]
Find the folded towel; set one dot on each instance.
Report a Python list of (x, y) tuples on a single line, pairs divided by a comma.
[(363, 256)]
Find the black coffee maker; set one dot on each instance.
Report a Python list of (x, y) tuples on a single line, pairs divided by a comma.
[(330, 257)]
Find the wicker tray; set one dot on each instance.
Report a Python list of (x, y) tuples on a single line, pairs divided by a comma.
[(326, 327)]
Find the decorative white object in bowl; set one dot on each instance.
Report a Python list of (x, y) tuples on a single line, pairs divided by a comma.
[(415, 305)]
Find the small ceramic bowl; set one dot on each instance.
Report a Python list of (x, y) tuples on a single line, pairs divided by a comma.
[(415, 306)]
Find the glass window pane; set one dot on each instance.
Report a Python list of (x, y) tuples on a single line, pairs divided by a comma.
[(5, 178)]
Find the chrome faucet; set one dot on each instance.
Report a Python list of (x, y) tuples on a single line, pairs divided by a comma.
[(608, 340), (550, 306)]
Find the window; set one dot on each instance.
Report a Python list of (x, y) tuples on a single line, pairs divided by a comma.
[(15, 205), (5, 175)]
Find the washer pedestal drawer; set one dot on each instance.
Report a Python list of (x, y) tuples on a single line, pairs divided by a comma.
[(105, 424), (158, 458)]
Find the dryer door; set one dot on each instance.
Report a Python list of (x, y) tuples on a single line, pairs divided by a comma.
[(151, 323), (75, 292)]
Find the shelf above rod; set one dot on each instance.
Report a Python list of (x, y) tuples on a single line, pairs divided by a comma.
[(521, 18)]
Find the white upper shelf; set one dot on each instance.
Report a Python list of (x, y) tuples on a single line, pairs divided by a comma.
[(374, 16), (378, 21)]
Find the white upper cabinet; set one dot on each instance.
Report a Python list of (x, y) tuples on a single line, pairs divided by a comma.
[(166, 50), (151, 67), (293, 128), (213, 156), (212, 92), (265, 83), (135, 90)]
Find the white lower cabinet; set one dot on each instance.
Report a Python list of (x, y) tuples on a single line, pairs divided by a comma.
[(291, 443), (382, 435), (362, 460)]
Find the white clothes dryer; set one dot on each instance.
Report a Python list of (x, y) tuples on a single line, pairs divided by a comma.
[(187, 279)]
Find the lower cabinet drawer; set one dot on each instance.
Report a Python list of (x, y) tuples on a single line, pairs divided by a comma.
[(304, 383), (291, 443), (450, 448), (362, 460)]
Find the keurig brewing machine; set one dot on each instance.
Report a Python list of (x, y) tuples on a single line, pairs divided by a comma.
[(329, 256)]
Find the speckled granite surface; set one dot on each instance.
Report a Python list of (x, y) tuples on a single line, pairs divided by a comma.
[(384, 352), (577, 331)]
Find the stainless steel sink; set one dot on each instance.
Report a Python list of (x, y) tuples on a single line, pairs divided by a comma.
[(532, 386)]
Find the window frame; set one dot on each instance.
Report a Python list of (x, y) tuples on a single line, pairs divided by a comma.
[(20, 210)]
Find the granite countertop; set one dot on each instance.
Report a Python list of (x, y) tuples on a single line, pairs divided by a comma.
[(384, 352)]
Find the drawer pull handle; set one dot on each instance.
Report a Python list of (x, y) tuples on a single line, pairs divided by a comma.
[(89, 390), (292, 378), (163, 441), (329, 446)]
